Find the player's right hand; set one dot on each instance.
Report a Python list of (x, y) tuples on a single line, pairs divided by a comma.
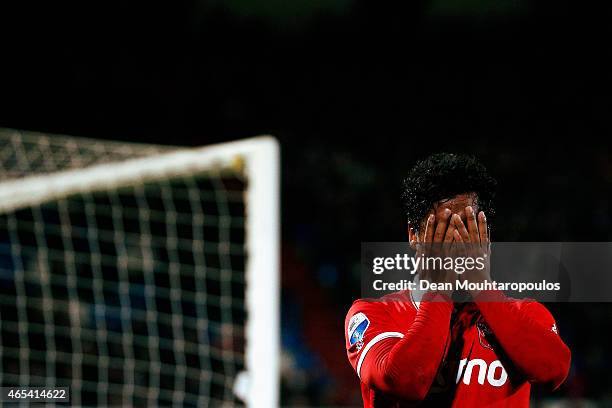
[(437, 242)]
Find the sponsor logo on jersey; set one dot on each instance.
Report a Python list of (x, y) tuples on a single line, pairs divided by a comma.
[(494, 373), (356, 329), (554, 328)]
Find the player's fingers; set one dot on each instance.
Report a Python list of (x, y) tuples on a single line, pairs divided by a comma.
[(413, 233), (460, 226), (472, 225), (429, 229), (483, 229), (459, 244), (450, 231), (441, 227)]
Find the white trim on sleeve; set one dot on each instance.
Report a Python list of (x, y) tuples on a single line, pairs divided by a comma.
[(371, 343)]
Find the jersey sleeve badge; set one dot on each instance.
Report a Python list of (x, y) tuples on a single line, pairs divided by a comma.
[(356, 330)]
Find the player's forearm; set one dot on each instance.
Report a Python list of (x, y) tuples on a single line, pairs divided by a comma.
[(537, 351), (406, 369)]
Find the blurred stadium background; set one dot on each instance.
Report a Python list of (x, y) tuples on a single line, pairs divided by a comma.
[(355, 91)]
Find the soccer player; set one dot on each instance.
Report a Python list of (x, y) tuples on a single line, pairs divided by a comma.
[(414, 348)]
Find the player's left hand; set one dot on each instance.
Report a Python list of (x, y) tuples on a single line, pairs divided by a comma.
[(475, 242)]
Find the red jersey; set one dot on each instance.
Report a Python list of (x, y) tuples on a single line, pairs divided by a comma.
[(436, 353)]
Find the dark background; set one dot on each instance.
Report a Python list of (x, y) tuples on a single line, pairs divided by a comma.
[(355, 91)]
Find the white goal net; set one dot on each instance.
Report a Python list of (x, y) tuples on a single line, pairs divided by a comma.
[(139, 275)]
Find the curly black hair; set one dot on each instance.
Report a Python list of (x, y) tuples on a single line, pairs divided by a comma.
[(442, 176)]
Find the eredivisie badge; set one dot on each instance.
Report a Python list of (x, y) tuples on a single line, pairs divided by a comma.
[(356, 330)]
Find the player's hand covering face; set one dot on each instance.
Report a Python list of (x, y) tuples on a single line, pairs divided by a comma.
[(437, 242), (455, 230), (473, 242)]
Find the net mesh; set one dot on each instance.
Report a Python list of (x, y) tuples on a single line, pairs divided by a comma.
[(29, 153), (129, 296)]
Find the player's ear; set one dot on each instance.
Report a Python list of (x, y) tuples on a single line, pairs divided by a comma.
[(412, 236)]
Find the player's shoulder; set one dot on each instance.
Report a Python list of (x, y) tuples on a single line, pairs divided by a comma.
[(521, 303), (371, 319), (536, 310), (534, 307), (529, 303), (386, 306)]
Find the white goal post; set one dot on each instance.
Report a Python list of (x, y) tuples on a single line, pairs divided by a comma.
[(257, 159)]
